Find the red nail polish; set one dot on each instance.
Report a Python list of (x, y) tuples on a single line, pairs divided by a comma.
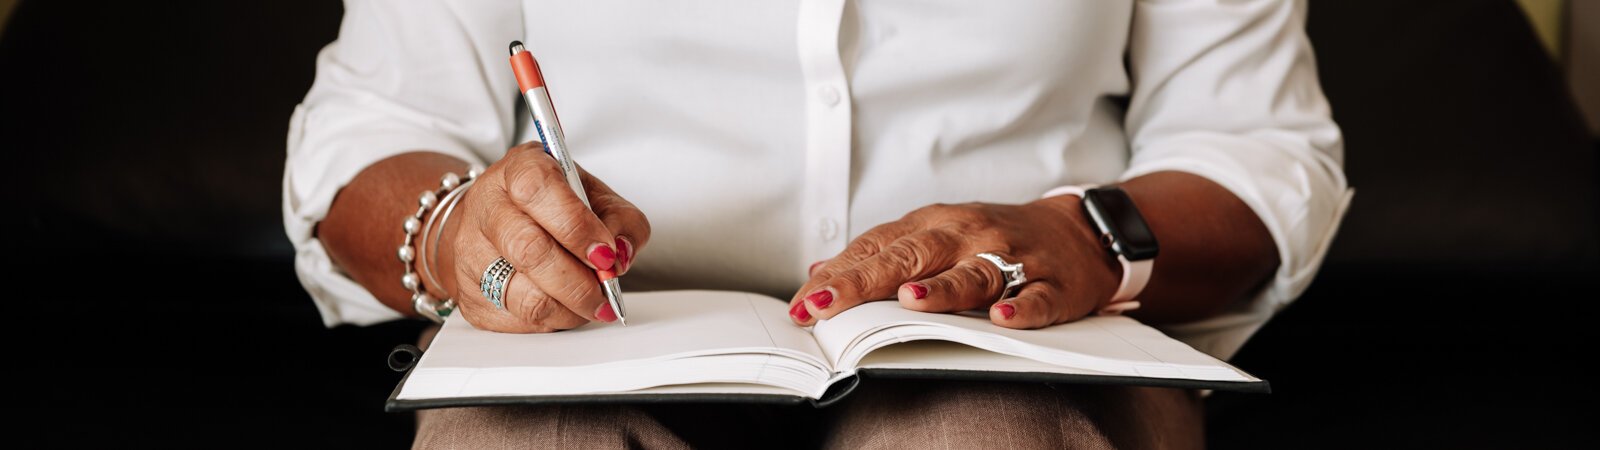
[(605, 314), (1006, 310), (918, 291), (624, 254), (820, 299), (813, 268), (602, 257), (799, 312)]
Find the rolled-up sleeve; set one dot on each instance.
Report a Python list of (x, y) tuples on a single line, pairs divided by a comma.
[(402, 76), (1228, 90)]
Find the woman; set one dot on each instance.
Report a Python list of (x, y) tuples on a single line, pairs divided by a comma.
[(833, 153)]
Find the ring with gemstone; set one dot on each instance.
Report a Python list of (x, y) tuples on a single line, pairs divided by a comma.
[(1011, 273), (494, 280)]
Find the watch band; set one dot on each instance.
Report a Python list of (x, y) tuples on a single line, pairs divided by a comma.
[(1135, 274)]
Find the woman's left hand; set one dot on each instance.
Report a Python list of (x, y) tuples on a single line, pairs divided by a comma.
[(927, 260)]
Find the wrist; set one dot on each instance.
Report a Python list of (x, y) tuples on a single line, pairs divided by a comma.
[(1073, 223), (437, 253)]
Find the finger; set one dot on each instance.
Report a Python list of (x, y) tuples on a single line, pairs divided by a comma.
[(912, 257), (972, 283), (537, 255), (525, 301), (519, 315), (863, 246), (1038, 304), (535, 185), (621, 217)]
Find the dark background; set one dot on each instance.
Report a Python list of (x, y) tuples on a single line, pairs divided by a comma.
[(154, 301)]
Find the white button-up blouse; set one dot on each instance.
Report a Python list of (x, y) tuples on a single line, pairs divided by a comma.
[(761, 136)]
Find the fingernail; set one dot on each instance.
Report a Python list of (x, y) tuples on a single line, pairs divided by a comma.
[(1006, 310), (813, 269), (918, 291), (605, 314), (602, 257), (799, 312), (624, 254), (820, 299)]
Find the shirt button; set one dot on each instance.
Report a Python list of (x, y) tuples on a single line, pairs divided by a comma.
[(829, 95), (828, 229)]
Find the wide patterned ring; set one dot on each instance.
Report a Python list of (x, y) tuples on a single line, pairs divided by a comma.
[(493, 283)]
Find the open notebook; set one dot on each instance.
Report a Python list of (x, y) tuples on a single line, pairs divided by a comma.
[(734, 346)]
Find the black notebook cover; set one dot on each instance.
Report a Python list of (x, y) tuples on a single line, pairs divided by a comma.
[(838, 391)]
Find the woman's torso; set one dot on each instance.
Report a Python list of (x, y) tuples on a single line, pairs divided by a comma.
[(757, 140)]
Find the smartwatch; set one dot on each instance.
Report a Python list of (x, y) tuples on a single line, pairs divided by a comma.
[(1123, 231)]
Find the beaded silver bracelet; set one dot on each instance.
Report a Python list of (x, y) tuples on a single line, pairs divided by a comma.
[(424, 303)]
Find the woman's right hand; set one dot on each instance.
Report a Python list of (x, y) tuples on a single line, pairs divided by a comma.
[(521, 209)]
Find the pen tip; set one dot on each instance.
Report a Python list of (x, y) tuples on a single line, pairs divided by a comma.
[(516, 47)]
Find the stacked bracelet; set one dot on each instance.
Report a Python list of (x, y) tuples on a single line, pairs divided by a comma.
[(451, 187)]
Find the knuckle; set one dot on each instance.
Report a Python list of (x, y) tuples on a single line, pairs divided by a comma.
[(569, 224), (866, 245), (537, 309), (576, 293), (527, 180), (993, 238), (958, 214), (528, 248), (972, 223), (982, 280), (542, 265), (854, 281), (905, 258), (518, 184)]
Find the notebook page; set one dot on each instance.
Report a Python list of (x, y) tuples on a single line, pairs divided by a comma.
[(1113, 338), (660, 325)]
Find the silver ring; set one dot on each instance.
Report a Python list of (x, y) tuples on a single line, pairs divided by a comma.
[(1012, 273), (493, 282)]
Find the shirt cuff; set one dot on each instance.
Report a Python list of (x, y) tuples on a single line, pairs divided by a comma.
[(1299, 196), (1298, 193)]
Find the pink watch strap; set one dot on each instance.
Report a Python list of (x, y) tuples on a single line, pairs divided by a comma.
[(1135, 274)]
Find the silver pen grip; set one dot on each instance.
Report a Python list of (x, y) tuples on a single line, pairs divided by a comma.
[(555, 142)]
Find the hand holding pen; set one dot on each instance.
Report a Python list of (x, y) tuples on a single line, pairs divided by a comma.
[(558, 230), (531, 82)]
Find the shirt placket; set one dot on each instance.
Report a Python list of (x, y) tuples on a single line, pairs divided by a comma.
[(825, 199)]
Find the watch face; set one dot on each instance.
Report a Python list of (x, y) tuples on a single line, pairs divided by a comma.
[(1113, 213)]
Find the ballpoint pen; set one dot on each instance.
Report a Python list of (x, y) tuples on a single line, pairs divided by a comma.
[(531, 82)]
